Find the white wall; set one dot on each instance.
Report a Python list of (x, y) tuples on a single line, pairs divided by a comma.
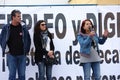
[(67, 20), (32, 2)]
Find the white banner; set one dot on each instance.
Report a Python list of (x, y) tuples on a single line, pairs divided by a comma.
[(64, 23)]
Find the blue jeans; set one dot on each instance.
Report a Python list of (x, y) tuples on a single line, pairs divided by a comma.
[(16, 64), (44, 69), (95, 66)]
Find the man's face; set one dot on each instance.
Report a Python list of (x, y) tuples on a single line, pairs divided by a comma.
[(17, 18)]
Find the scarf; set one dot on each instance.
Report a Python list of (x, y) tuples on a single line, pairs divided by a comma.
[(44, 38)]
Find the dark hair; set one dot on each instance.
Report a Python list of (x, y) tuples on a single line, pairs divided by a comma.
[(83, 23), (13, 13), (37, 26), (37, 29)]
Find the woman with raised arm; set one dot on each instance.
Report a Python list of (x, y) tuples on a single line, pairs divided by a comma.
[(89, 49)]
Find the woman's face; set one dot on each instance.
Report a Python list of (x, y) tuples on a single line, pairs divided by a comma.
[(43, 26), (87, 25)]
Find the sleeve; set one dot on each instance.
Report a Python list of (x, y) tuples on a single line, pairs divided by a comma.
[(52, 47), (102, 39), (38, 44), (0, 39), (84, 40), (3, 35), (29, 41)]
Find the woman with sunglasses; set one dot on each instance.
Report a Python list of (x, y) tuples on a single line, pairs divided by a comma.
[(89, 50), (43, 46)]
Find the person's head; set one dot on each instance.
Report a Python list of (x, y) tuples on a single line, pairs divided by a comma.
[(86, 25), (16, 16), (40, 26)]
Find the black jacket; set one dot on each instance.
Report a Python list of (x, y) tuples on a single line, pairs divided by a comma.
[(39, 51)]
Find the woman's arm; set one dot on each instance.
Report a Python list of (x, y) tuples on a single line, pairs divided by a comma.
[(104, 37), (84, 40)]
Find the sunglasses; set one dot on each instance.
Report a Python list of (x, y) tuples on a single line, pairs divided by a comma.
[(43, 24)]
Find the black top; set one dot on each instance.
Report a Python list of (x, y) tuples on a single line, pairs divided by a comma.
[(39, 50), (15, 43)]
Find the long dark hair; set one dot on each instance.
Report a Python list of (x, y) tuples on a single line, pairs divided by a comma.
[(37, 29), (83, 24), (37, 26)]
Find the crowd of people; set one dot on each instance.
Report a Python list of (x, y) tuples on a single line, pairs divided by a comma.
[(15, 42)]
